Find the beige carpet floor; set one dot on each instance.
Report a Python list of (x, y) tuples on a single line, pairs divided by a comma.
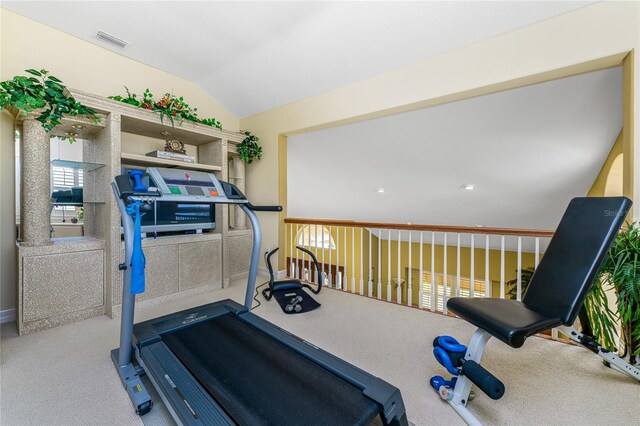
[(64, 376)]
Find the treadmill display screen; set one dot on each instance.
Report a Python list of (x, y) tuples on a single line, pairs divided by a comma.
[(187, 182)]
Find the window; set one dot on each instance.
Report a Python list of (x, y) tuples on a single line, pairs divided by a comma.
[(65, 178), (463, 290), (317, 236)]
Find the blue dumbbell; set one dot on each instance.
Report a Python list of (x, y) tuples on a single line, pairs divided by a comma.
[(136, 175), (439, 381), (448, 352), (444, 387)]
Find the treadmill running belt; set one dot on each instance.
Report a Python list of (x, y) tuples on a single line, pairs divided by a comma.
[(260, 381)]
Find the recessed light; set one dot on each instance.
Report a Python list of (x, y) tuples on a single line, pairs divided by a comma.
[(78, 126), (477, 225), (71, 134), (468, 187), (380, 190)]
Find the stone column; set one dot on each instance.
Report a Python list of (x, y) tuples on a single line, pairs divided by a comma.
[(35, 191), (238, 171)]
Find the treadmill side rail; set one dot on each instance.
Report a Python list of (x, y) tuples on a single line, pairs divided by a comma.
[(184, 397)]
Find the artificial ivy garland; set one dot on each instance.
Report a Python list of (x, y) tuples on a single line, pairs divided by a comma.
[(169, 106), (42, 90)]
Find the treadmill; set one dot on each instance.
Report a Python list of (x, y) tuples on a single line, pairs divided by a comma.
[(220, 364)]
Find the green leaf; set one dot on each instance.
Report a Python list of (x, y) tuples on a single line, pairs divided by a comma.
[(34, 72)]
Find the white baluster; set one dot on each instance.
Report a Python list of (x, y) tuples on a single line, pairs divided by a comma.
[(472, 278), (370, 282), (330, 276), (389, 265), (297, 271), (315, 245), (487, 281), (434, 281), (519, 271), (409, 295), (502, 267), (309, 266), (345, 280), (420, 280), (291, 248), (399, 279), (457, 293), (353, 260), (361, 289), (444, 278), (338, 277), (322, 261), (537, 260), (379, 292)]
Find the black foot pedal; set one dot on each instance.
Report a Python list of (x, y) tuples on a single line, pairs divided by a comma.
[(295, 301)]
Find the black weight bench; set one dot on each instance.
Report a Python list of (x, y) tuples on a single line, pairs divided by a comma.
[(554, 297)]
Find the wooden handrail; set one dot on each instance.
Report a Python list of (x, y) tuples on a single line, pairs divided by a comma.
[(416, 227)]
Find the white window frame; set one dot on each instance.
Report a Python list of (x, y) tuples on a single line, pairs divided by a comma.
[(76, 179), (307, 237)]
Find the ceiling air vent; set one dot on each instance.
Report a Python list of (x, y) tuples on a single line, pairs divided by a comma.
[(109, 38)]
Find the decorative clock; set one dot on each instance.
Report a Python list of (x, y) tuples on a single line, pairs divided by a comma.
[(173, 145)]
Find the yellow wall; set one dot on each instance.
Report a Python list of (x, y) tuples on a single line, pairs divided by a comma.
[(24, 44), (589, 38), (609, 180)]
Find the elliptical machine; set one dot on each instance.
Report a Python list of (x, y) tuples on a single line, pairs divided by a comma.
[(289, 293)]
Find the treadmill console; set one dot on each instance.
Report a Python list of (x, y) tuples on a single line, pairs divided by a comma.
[(181, 200), (178, 186), (187, 185)]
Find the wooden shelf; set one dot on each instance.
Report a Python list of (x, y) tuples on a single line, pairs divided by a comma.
[(143, 160)]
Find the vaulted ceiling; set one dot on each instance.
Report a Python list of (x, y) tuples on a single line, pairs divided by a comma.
[(527, 151), (255, 56)]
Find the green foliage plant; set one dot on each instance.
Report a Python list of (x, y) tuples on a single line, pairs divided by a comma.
[(621, 271), (525, 278), (169, 106), (42, 91), (249, 149)]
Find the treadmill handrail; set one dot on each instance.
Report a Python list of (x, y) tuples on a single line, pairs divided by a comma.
[(264, 208)]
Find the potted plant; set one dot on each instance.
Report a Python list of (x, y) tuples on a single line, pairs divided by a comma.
[(525, 278), (621, 272), (249, 148)]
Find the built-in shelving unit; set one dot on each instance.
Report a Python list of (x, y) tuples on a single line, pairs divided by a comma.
[(64, 280), (144, 160)]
